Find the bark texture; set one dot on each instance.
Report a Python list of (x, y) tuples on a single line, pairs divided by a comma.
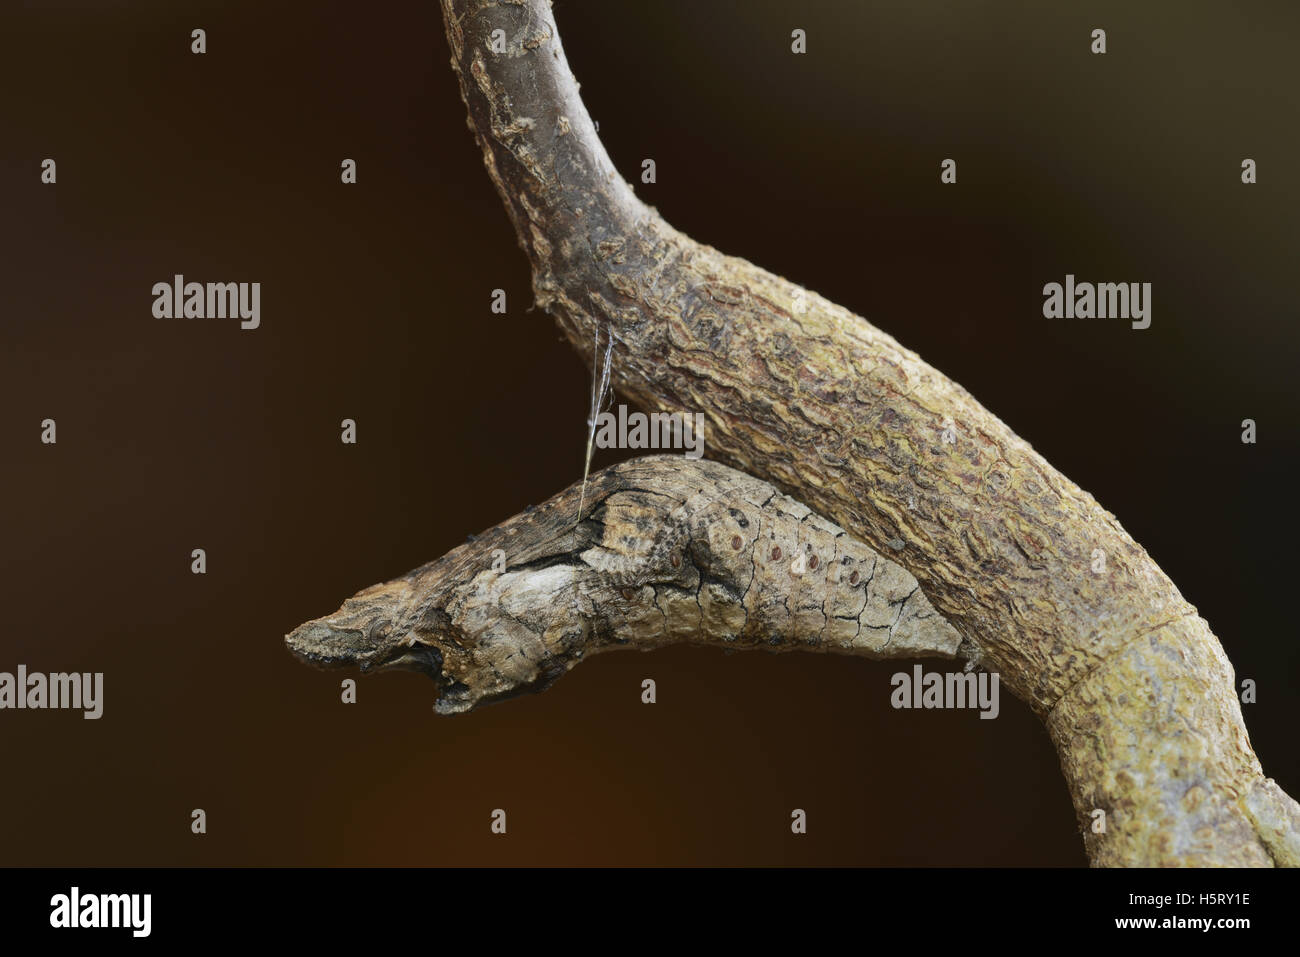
[(669, 551), (1134, 688)]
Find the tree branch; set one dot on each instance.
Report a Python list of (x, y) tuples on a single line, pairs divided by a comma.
[(1134, 688)]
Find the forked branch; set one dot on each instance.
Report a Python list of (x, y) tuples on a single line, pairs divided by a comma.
[(1132, 685)]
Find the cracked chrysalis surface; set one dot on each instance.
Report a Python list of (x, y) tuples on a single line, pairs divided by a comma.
[(669, 551)]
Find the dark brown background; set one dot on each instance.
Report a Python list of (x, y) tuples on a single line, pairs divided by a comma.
[(824, 168)]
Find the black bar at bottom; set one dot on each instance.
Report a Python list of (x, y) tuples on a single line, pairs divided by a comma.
[(488, 908)]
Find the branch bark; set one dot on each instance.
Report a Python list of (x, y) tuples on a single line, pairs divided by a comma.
[(1133, 687)]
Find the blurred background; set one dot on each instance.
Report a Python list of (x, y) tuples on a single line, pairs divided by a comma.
[(824, 168)]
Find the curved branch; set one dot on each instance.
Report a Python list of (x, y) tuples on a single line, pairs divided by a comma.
[(1134, 688)]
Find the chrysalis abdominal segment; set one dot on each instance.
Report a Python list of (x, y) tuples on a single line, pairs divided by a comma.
[(661, 566)]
